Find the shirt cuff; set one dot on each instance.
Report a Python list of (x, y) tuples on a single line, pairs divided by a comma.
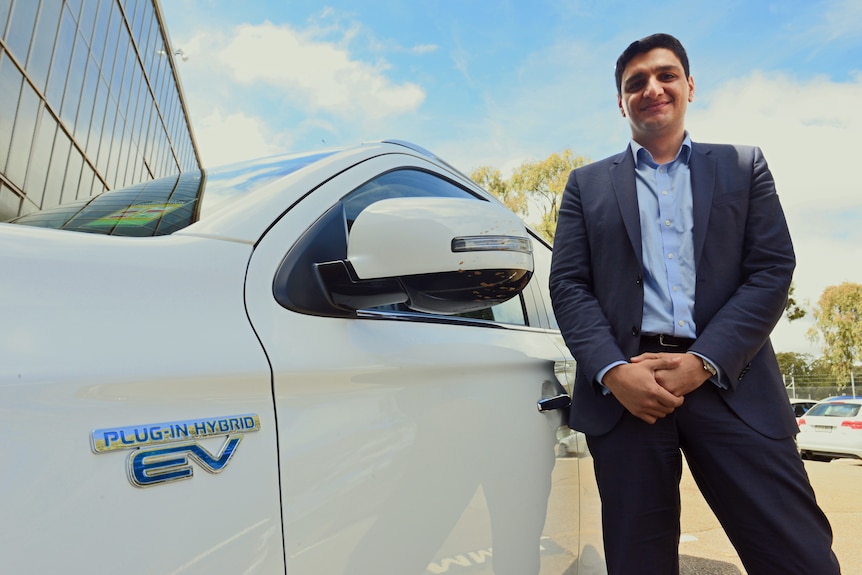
[(715, 379), (601, 375)]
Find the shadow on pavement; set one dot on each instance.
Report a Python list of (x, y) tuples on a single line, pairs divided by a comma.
[(689, 565)]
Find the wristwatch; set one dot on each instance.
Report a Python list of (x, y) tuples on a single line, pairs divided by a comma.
[(709, 367)]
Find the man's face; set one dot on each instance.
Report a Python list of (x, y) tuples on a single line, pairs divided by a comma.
[(654, 94)]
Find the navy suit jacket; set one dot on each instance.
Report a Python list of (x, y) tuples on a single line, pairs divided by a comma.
[(744, 262)]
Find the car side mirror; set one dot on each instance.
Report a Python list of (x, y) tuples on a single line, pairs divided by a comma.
[(448, 255), (436, 255)]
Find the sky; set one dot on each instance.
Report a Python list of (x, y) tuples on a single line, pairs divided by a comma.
[(485, 83)]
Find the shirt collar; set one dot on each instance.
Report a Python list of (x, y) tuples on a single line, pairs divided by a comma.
[(639, 153)]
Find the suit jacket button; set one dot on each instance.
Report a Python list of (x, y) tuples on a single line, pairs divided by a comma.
[(636, 330), (639, 280)]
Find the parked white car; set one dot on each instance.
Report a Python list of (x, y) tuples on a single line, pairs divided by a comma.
[(831, 429), (289, 365)]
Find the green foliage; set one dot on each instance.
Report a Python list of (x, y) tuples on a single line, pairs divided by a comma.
[(813, 377), (795, 364), (838, 320), (537, 184), (543, 182), (492, 180), (793, 310)]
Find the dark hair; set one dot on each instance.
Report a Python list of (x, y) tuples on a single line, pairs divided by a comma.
[(643, 46)]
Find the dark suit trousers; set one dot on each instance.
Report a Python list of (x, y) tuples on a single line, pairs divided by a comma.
[(757, 487)]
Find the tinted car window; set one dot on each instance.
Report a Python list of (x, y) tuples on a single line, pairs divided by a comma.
[(400, 184), (835, 410), (154, 208), (799, 409), (542, 259), (163, 206)]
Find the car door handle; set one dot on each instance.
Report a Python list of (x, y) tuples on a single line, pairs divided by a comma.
[(560, 401)]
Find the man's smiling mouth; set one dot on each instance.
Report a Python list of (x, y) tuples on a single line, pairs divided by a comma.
[(655, 106)]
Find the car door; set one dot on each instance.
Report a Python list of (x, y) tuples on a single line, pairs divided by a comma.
[(411, 442), (574, 460)]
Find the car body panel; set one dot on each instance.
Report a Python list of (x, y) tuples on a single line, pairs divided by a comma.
[(142, 331)]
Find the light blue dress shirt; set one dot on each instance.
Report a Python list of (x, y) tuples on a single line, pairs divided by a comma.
[(667, 242), (667, 224)]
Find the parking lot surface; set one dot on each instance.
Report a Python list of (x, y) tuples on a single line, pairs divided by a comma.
[(705, 549)]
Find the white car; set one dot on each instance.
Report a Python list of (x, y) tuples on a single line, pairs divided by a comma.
[(831, 429), (289, 365)]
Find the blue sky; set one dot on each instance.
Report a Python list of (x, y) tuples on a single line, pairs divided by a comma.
[(499, 83)]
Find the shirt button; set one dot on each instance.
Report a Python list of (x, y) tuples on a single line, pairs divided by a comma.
[(675, 288), (670, 256), (667, 223), (681, 323), (664, 192)]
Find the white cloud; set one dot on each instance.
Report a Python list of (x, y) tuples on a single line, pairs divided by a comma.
[(809, 131), (423, 48), (256, 90), (321, 75), (840, 19), (227, 138)]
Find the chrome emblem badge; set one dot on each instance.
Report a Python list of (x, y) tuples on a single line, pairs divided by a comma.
[(163, 452)]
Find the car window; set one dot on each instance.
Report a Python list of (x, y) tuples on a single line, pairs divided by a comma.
[(163, 206), (799, 409), (418, 183), (153, 208), (835, 410), (404, 183), (542, 265)]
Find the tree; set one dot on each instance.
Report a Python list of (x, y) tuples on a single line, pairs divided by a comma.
[(803, 370), (793, 310), (794, 364), (492, 180), (533, 184), (838, 320), (543, 183)]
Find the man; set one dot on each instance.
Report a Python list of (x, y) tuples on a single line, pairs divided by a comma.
[(671, 266)]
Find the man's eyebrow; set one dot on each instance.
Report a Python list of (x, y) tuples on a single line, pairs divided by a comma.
[(634, 77), (669, 68)]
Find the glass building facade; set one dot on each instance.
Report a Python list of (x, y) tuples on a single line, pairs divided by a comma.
[(89, 101)]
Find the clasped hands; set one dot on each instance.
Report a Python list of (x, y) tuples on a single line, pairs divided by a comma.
[(654, 384)]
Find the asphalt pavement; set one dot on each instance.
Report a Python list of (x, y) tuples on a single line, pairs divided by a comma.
[(705, 549)]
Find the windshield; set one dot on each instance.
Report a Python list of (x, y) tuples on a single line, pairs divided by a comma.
[(835, 409), (154, 208), (163, 206)]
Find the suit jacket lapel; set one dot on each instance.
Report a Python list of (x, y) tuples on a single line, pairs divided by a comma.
[(702, 189), (622, 172)]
